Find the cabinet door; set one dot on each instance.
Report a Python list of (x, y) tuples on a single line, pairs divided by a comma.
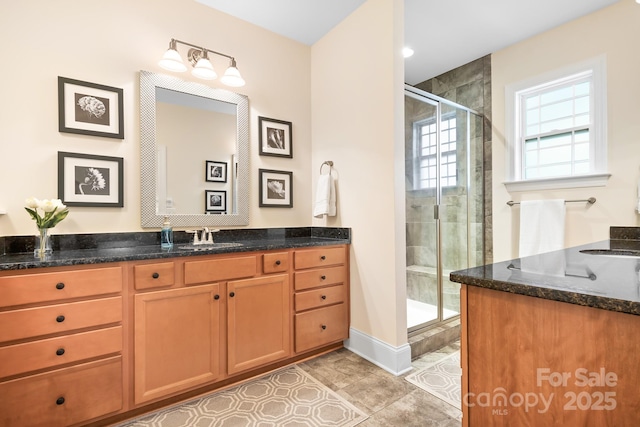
[(177, 334), (259, 321)]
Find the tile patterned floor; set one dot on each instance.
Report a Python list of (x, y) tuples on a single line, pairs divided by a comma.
[(387, 399)]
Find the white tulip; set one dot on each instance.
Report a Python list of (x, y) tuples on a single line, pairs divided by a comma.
[(47, 205), (32, 202), (58, 204)]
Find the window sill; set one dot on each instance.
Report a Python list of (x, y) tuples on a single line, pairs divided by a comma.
[(593, 180)]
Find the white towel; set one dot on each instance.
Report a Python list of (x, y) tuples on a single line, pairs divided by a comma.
[(325, 197), (541, 231)]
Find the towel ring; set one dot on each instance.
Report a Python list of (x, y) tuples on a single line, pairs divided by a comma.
[(328, 163)]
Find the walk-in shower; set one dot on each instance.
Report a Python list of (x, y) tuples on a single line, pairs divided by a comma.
[(444, 204)]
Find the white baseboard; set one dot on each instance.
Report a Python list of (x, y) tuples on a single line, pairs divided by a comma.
[(396, 360)]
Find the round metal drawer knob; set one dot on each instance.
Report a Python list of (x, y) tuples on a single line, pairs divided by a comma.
[(60, 401), (216, 297), (323, 327), (278, 262), (323, 257), (60, 351), (60, 285), (60, 319), (155, 275), (323, 297), (232, 294), (323, 277)]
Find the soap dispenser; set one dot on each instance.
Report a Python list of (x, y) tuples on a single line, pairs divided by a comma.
[(166, 235)]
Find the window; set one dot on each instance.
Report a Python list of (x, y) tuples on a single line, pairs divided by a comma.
[(426, 153), (558, 124)]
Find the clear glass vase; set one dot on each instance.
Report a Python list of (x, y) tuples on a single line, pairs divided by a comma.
[(43, 244)]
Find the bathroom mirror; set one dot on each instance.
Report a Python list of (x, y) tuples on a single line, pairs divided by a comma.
[(194, 153)]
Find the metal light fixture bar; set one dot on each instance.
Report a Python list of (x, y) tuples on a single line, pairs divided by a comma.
[(201, 49), (198, 56)]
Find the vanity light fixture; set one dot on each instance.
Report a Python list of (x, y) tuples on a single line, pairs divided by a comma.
[(198, 57)]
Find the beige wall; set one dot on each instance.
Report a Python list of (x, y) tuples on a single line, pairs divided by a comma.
[(357, 116), (614, 32), (108, 43)]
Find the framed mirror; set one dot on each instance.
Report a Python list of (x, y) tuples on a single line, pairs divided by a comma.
[(194, 154)]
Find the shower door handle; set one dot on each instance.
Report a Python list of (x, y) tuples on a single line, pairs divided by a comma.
[(436, 211)]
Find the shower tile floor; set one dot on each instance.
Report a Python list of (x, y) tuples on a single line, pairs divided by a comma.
[(420, 312)]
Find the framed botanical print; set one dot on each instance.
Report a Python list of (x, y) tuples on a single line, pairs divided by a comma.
[(90, 109), (89, 180), (275, 137), (216, 171), (275, 188), (215, 201)]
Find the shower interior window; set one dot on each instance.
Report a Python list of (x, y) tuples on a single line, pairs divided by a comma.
[(426, 149)]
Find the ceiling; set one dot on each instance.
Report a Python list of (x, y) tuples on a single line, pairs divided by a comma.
[(443, 33)]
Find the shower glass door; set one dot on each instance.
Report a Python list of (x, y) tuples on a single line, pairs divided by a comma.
[(422, 197), (444, 204)]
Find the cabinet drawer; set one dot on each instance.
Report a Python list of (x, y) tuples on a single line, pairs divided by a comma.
[(157, 275), (60, 285), (319, 257), (213, 270), (319, 327), (51, 319), (275, 262), (319, 277), (31, 356), (320, 297), (64, 397)]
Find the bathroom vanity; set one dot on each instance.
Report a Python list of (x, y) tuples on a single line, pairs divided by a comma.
[(539, 348), (95, 336)]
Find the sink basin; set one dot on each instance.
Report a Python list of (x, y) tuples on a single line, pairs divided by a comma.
[(621, 253), (191, 247)]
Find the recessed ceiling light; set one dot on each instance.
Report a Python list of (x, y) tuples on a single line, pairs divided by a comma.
[(407, 51)]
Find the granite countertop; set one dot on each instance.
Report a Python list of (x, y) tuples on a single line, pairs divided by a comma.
[(608, 278), (115, 247)]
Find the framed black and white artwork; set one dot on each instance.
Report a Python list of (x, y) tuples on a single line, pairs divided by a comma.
[(275, 188), (90, 109), (275, 137), (216, 171), (215, 201), (89, 180)]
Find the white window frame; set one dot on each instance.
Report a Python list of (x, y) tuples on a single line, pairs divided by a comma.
[(417, 127), (598, 130)]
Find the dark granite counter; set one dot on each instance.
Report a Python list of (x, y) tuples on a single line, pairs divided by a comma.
[(606, 276), (78, 249)]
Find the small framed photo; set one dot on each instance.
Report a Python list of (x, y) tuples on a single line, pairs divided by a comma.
[(90, 109), (88, 180), (216, 171), (276, 188), (215, 201), (275, 138)]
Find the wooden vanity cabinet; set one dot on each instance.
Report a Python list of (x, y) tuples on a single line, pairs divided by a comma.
[(222, 308), (90, 344), (321, 297), (530, 361), (61, 342)]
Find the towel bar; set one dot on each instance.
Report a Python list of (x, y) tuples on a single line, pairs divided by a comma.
[(590, 200), (328, 163)]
